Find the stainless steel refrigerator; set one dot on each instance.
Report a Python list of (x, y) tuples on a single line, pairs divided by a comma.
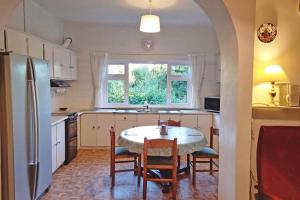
[(25, 125)]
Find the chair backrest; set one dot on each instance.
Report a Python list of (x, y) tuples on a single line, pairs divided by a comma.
[(112, 138), (213, 132), (278, 162), (161, 143), (169, 122)]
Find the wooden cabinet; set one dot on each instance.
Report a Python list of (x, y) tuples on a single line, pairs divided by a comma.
[(35, 47), (58, 145), (48, 55), (16, 42), (95, 130), (147, 120), (190, 121)]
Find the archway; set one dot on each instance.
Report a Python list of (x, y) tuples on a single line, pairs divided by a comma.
[(234, 25)]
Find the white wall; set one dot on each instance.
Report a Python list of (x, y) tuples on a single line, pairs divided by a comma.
[(39, 22), (127, 39)]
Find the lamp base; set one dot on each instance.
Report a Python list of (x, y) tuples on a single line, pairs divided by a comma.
[(272, 94)]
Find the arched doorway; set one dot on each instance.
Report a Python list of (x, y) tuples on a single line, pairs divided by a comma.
[(234, 25)]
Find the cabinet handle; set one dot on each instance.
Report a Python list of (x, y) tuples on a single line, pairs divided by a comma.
[(94, 127), (124, 118), (98, 127)]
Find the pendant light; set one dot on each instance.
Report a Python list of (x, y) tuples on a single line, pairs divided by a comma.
[(150, 23)]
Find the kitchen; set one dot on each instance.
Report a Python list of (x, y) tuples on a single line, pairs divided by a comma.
[(78, 39)]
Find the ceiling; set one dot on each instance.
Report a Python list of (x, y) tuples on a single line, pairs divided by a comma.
[(179, 12)]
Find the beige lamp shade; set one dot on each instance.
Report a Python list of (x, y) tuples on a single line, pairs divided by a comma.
[(150, 24), (274, 73)]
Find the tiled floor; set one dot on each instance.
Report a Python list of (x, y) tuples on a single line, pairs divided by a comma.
[(87, 178)]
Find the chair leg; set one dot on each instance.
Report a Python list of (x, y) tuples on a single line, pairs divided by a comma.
[(113, 174), (135, 166), (194, 170), (139, 168), (145, 184), (210, 166), (188, 164), (174, 184)]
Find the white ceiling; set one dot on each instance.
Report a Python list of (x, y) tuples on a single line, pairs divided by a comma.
[(125, 11)]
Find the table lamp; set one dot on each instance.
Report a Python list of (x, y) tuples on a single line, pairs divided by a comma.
[(272, 74)]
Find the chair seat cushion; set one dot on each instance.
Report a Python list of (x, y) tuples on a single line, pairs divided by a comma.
[(123, 151), (206, 151), (159, 160)]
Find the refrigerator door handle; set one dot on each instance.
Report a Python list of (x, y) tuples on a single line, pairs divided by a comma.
[(34, 164)]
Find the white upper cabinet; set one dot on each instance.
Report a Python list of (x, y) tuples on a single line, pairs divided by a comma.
[(65, 64), (16, 42), (73, 66), (48, 55), (35, 47)]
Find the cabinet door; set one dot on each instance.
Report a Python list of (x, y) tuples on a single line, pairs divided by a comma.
[(60, 144), (65, 59), (147, 120), (73, 66), (16, 42), (204, 124), (54, 144), (88, 131), (105, 121), (170, 117), (123, 125), (35, 48), (57, 64), (49, 57), (190, 121)]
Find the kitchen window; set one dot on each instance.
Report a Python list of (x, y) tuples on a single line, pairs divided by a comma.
[(133, 84)]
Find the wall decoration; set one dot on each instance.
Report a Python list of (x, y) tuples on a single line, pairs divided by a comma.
[(147, 44), (267, 32)]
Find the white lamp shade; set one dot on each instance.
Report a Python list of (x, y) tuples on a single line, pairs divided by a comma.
[(150, 24)]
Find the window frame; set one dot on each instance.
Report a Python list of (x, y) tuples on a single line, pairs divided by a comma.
[(170, 78)]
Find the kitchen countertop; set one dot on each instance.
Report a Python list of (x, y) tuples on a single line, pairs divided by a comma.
[(57, 119), (135, 111), (65, 113)]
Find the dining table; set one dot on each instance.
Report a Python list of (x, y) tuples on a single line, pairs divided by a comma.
[(188, 141)]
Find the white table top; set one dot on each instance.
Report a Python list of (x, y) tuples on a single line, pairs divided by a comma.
[(188, 139)]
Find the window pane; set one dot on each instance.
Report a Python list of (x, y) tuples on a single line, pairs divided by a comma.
[(116, 92), (178, 91), (147, 82), (179, 70), (116, 69)]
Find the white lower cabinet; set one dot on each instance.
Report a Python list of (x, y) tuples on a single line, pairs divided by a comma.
[(58, 145), (190, 121), (95, 127), (169, 117), (147, 120), (204, 124), (94, 130)]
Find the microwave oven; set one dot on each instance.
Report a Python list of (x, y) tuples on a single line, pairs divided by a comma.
[(212, 104)]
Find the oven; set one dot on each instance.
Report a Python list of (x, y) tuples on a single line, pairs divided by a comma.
[(71, 138)]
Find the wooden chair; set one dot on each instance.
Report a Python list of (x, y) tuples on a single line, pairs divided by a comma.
[(122, 155), (206, 153), (160, 163), (170, 122)]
